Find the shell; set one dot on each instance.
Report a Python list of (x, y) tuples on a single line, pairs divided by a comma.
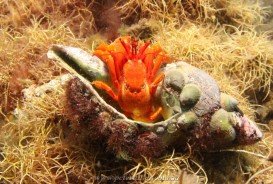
[(195, 112)]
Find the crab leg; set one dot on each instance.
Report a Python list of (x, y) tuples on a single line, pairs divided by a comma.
[(153, 61), (148, 61), (155, 82), (155, 114), (109, 60), (105, 87), (160, 58), (119, 62)]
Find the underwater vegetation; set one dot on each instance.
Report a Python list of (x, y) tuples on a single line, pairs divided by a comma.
[(45, 134)]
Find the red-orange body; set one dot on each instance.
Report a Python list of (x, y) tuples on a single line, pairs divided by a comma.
[(133, 67)]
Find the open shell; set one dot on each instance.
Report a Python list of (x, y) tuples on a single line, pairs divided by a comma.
[(195, 111)]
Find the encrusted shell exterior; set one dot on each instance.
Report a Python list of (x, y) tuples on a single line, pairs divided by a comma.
[(210, 93), (195, 111)]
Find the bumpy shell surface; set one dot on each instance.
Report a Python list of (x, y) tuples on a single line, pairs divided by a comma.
[(195, 111)]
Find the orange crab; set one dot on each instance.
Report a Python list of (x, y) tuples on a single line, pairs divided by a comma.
[(133, 67)]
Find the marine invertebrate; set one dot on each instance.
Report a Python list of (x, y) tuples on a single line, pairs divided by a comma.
[(133, 67), (194, 110)]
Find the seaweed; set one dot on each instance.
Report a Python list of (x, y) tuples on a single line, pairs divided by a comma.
[(219, 37)]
